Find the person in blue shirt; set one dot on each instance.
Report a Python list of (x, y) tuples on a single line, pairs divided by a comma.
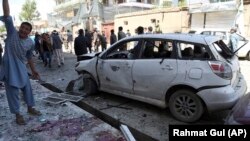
[(13, 71), (234, 39)]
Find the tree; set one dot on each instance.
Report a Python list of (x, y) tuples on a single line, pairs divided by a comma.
[(29, 11), (182, 3), (166, 3)]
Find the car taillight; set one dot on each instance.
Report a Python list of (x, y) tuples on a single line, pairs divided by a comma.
[(221, 69)]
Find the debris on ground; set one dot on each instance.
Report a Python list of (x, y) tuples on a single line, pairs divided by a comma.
[(58, 121), (57, 98)]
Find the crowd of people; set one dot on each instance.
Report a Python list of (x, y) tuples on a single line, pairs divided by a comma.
[(50, 45)]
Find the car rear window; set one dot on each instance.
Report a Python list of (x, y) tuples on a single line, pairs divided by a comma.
[(206, 33), (222, 49), (192, 32)]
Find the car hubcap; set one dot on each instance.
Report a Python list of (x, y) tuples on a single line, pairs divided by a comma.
[(185, 106)]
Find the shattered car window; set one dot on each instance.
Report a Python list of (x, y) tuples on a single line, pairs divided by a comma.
[(157, 48), (193, 51), (123, 50)]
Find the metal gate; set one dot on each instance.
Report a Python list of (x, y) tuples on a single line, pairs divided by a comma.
[(197, 20), (223, 19)]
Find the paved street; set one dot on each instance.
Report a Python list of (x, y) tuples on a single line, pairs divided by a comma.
[(145, 118), (58, 77)]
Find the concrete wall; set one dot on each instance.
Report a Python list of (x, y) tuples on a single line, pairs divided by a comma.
[(170, 20), (247, 20)]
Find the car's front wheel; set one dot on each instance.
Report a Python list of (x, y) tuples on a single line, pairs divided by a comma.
[(89, 85), (186, 106)]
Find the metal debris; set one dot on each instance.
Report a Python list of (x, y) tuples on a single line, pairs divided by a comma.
[(117, 106), (66, 97), (52, 100)]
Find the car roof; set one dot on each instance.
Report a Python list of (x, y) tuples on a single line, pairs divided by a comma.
[(195, 38)]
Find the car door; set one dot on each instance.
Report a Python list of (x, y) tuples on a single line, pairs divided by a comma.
[(153, 73), (115, 69)]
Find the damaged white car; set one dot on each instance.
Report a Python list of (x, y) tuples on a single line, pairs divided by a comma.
[(188, 73)]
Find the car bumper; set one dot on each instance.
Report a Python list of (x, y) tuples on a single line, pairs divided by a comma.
[(224, 97)]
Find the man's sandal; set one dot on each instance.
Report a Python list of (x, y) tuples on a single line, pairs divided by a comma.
[(34, 112), (20, 120)]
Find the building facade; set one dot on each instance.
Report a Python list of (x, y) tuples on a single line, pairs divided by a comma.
[(216, 13), (90, 14), (173, 15)]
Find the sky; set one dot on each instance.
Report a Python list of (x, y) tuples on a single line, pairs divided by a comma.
[(43, 7)]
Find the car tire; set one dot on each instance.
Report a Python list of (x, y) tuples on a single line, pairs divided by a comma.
[(186, 106), (248, 56), (89, 85)]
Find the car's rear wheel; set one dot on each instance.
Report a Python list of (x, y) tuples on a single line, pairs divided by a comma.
[(89, 85), (186, 106)]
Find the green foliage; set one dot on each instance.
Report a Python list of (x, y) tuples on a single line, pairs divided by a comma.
[(167, 3), (29, 11), (182, 3)]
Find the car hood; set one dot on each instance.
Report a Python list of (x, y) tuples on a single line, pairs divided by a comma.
[(241, 111), (88, 56)]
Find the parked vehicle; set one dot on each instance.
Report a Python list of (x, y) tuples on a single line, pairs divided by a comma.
[(244, 52), (189, 73), (240, 114)]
